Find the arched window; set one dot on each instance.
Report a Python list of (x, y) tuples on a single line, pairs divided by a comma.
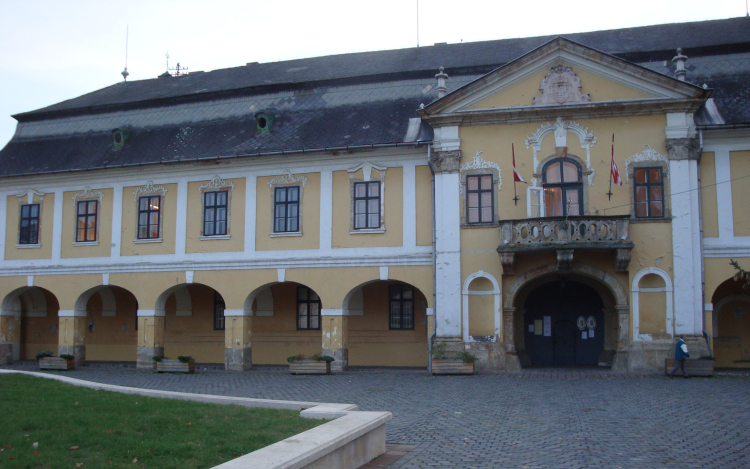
[(563, 188)]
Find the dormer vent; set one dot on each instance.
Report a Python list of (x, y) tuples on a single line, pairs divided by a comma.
[(263, 122), (679, 61), (120, 136), (441, 88)]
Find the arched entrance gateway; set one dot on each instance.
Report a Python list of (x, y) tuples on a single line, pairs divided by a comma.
[(577, 317)]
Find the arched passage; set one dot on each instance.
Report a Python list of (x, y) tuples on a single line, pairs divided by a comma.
[(731, 325), (110, 323), (602, 291), (28, 324), (386, 324)]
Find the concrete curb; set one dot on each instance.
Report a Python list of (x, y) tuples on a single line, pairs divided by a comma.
[(352, 439)]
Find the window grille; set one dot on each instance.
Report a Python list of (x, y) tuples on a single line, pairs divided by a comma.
[(215, 213), (649, 193), (29, 224), (286, 210), (401, 306), (366, 205), (308, 309), (87, 218), (149, 209), (479, 205)]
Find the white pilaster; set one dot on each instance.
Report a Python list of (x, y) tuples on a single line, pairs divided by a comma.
[(724, 194), (116, 220), (251, 183), (57, 222), (410, 206), (181, 225), (3, 217), (448, 255), (326, 209)]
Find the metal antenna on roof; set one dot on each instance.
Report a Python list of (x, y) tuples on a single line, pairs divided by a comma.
[(418, 23), (125, 72), (167, 56)]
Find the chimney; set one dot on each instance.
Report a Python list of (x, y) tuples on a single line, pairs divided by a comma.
[(441, 88), (680, 60)]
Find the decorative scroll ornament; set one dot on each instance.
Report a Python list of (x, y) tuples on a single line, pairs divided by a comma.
[(29, 195), (649, 154), (149, 188), (479, 163), (88, 194), (561, 86), (216, 183), (560, 129), (287, 178), (367, 171)]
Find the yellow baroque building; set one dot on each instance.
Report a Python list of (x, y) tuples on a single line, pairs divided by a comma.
[(364, 206)]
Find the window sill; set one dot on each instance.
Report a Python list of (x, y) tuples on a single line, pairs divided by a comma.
[(368, 231), (651, 220), (481, 225), (28, 246), (211, 238), (285, 234), (147, 240), (86, 243)]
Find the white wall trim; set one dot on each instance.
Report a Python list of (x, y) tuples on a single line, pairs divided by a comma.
[(71, 313), (105, 279), (465, 292), (4, 224), (280, 275), (147, 313), (57, 226), (29, 280), (334, 312), (720, 304), (448, 255), (429, 311), (181, 214), (724, 194), (635, 305), (189, 276), (251, 188), (117, 220), (326, 209), (384, 273), (237, 312)]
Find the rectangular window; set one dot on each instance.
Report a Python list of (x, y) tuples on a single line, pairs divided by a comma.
[(308, 309), (29, 224), (649, 193), (479, 205), (286, 210), (86, 227), (366, 205), (401, 307), (148, 217), (215, 213), (219, 308)]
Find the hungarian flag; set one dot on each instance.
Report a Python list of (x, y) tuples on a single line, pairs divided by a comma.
[(516, 177), (615, 172)]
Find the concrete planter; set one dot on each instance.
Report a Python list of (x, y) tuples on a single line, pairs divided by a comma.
[(56, 363), (173, 365), (693, 367), (310, 367), (445, 366)]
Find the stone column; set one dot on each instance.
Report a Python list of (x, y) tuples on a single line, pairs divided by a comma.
[(238, 331), (620, 362), (335, 333), (71, 339), (445, 165), (508, 330), (10, 336), (150, 338)]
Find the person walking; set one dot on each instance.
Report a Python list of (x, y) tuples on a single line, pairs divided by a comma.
[(680, 354)]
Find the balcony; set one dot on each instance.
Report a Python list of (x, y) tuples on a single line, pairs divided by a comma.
[(565, 235)]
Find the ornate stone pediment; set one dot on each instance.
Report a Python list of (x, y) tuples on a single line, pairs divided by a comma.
[(287, 178), (479, 163), (88, 194), (149, 188), (649, 154), (215, 184), (561, 86)]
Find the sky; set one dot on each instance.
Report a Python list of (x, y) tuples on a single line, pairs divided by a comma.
[(51, 51)]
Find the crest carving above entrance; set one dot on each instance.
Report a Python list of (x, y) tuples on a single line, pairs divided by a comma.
[(561, 86)]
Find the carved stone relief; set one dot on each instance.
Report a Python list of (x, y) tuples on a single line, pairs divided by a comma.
[(287, 178), (561, 128), (149, 188), (479, 163), (445, 161), (561, 86), (88, 194), (682, 148)]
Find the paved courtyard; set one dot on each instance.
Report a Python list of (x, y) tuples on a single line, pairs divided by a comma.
[(535, 419)]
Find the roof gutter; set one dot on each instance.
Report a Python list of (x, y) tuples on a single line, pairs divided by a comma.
[(724, 126)]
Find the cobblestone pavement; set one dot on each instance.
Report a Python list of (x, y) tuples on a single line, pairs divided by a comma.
[(536, 419)]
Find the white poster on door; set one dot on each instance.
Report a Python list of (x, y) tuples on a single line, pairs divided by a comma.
[(547, 326)]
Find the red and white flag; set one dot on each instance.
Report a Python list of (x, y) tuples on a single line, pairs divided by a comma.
[(615, 172), (516, 177)]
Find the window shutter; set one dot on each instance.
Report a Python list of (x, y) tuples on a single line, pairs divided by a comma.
[(534, 202)]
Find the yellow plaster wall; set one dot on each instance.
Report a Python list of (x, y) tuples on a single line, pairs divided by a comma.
[(393, 209), (235, 229), (276, 337), (235, 285), (113, 338), (38, 334), (652, 312), (12, 228), (424, 205), (733, 343), (67, 288), (718, 270), (104, 230), (372, 343), (739, 164), (194, 335), (522, 93), (130, 224), (310, 220), (709, 205)]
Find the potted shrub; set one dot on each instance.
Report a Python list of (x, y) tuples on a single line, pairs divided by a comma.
[(181, 364), (316, 365), (49, 362), (445, 363), (703, 366)]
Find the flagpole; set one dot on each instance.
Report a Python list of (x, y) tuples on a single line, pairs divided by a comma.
[(609, 194), (515, 195)]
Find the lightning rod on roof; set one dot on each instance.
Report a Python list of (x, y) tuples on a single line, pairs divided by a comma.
[(417, 23), (125, 73)]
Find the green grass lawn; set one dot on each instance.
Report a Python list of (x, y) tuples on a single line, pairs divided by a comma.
[(81, 427)]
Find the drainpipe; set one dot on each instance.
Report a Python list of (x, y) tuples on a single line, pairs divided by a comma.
[(434, 268), (700, 229)]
